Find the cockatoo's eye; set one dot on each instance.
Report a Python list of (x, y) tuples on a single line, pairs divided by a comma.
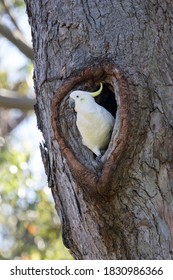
[(77, 96)]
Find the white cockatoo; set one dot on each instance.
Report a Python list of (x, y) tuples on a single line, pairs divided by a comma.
[(94, 122)]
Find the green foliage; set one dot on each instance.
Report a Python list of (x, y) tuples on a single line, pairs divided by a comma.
[(12, 4), (29, 226), (18, 3), (3, 79)]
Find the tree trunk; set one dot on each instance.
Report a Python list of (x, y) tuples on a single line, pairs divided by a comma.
[(119, 207)]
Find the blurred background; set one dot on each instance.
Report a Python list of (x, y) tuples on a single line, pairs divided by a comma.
[(29, 225)]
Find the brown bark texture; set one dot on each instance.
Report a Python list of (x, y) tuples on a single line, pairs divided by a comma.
[(119, 206)]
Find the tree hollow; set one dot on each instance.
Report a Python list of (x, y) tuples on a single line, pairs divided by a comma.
[(115, 99)]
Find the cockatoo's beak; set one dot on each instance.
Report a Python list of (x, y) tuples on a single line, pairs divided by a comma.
[(71, 102), (96, 93)]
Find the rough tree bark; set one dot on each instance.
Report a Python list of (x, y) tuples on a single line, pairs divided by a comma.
[(122, 206)]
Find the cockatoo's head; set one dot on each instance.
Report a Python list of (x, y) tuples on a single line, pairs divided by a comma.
[(84, 99)]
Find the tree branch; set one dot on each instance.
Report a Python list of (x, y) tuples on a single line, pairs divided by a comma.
[(22, 103), (8, 11), (15, 38)]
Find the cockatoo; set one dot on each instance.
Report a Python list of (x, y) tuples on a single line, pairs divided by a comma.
[(94, 122)]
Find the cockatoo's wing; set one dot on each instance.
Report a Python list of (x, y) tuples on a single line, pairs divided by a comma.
[(95, 128)]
